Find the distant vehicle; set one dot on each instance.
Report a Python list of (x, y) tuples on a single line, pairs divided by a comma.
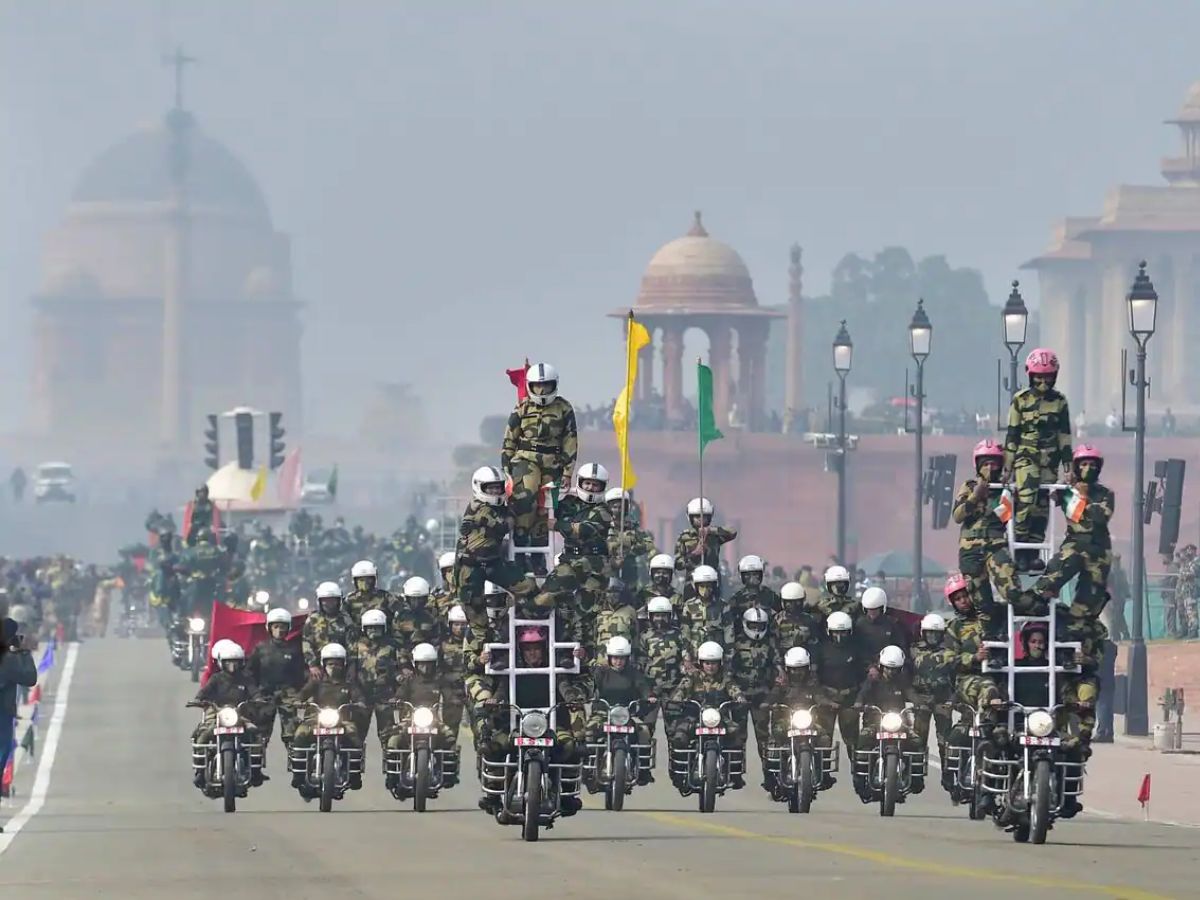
[(315, 490), (54, 482)]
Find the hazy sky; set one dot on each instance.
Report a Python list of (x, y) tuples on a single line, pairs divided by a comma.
[(470, 183)]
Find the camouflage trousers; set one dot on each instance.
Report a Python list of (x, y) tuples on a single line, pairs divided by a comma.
[(669, 714), (1083, 691), (1008, 591), (1031, 509), (574, 589), (529, 472), (942, 716), (284, 704), (976, 691), (469, 578), (842, 714), (975, 557), (598, 719), (1090, 565), (757, 713), (304, 736)]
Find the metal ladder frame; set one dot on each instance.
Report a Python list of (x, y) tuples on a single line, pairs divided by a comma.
[(551, 548), (512, 671)]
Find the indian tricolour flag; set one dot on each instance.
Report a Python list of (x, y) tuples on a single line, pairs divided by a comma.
[(1076, 505), (1003, 509)]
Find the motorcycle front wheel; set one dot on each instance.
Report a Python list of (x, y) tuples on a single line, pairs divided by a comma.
[(197, 665), (328, 777), (229, 778), (533, 800), (1039, 805), (891, 785), (805, 787), (614, 793), (421, 787), (708, 789)]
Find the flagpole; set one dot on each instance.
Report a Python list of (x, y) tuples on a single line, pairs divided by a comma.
[(627, 394), (700, 532)]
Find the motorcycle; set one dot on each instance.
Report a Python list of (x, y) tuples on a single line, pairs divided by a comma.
[(1033, 789), (528, 784), (328, 762), (889, 770), (964, 765), (801, 767), (189, 644), (232, 763), (420, 771), (135, 613), (707, 767), (617, 763)]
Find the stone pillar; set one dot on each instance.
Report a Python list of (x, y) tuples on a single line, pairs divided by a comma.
[(672, 357), (645, 385), (794, 365), (758, 375), (720, 341), (745, 356), (1179, 384), (1112, 338)]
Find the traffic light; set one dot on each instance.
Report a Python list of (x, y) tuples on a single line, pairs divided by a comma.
[(275, 440), (1171, 473), (244, 427), (939, 488), (212, 451)]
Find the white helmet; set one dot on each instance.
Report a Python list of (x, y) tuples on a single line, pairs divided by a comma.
[(750, 563), (839, 621), (615, 493), (279, 615), (618, 645), (372, 617), (837, 573), (662, 561), (754, 622), (484, 476), (699, 506), (793, 590), (431, 525), (456, 614), (710, 651), (364, 568), (446, 560), (892, 657), (416, 587), (591, 472), (542, 373), (797, 658), (226, 649), (874, 598), (332, 651), (933, 622), (327, 590), (424, 653), (704, 575), (659, 605)]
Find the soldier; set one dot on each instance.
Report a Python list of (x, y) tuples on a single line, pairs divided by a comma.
[(756, 669), (205, 566), (876, 628), (441, 599), (331, 688), (452, 655), (703, 616), (581, 576), (795, 624), (329, 624), (202, 515), (889, 691), (841, 668), (710, 685), (753, 592), (936, 668), (965, 637), (276, 665), (379, 666), (661, 656), (616, 616), (700, 545), (799, 688), (629, 545), (617, 683), (837, 596), (367, 594), (480, 555), (662, 584), (540, 445), (982, 542), (230, 685), (423, 685), (412, 624), (1037, 445), (166, 593)]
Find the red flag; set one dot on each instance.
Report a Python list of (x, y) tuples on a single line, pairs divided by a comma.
[(216, 522), (247, 628), (291, 479), (517, 377), (187, 520), (1144, 790)]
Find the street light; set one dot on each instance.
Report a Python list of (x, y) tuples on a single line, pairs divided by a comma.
[(1016, 323), (920, 340), (1143, 310), (843, 355)]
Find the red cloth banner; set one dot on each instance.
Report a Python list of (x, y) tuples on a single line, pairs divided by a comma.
[(247, 628)]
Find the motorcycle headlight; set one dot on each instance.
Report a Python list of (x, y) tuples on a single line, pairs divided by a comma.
[(891, 722), (196, 625), (802, 719), (1039, 723), (227, 717), (422, 717), (262, 598), (619, 715), (710, 717), (302, 603), (534, 724), (328, 718)]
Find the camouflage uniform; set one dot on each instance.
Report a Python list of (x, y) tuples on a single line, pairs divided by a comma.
[(479, 557), (755, 665), (412, 625), (796, 626), (581, 576), (358, 602), (936, 668), (225, 689), (379, 667), (701, 621), (660, 655), (761, 596), (612, 620), (831, 603), (452, 658), (982, 536), (441, 599), (646, 594), (277, 667), (321, 629), (540, 445), (422, 690), (964, 636), (1036, 447), (1086, 551), (707, 690), (325, 692), (629, 549), (689, 540)]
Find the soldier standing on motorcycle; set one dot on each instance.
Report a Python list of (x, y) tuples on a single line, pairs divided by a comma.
[(888, 687), (710, 686), (841, 668), (837, 596), (379, 666), (630, 546), (700, 545), (661, 654), (936, 667), (703, 616), (441, 598), (230, 685), (662, 584), (367, 594), (875, 628), (330, 689), (982, 541), (276, 665), (452, 655), (328, 624), (755, 667), (412, 624), (965, 636), (796, 625), (618, 683), (753, 592), (616, 616)]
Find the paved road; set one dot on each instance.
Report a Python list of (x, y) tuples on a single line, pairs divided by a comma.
[(122, 819)]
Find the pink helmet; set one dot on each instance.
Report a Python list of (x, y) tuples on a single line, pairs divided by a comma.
[(987, 448), (1087, 451), (1041, 362), (954, 583), (530, 634)]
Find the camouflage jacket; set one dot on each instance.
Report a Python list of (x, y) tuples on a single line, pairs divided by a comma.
[(320, 629), (689, 539), (649, 592), (453, 654), (441, 601), (747, 597), (482, 532), (379, 666), (610, 622), (936, 669), (980, 524), (1039, 430), (545, 433), (964, 637), (358, 602), (796, 627), (204, 561), (829, 604), (1090, 532), (707, 691), (660, 656), (412, 626), (633, 543), (585, 527), (700, 622), (754, 664)]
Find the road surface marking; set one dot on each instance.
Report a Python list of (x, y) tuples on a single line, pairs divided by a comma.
[(41, 783), (931, 867)]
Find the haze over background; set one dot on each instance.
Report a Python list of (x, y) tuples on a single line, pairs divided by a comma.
[(467, 184)]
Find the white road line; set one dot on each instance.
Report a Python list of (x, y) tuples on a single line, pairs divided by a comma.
[(41, 783)]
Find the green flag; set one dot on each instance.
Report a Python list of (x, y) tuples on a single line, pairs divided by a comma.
[(706, 425)]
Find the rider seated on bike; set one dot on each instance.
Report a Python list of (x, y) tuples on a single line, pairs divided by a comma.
[(332, 691), (426, 686), (888, 687), (711, 686), (230, 685), (618, 683), (800, 689)]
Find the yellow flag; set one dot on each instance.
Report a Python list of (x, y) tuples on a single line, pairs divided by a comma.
[(638, 338), (260, 484)]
